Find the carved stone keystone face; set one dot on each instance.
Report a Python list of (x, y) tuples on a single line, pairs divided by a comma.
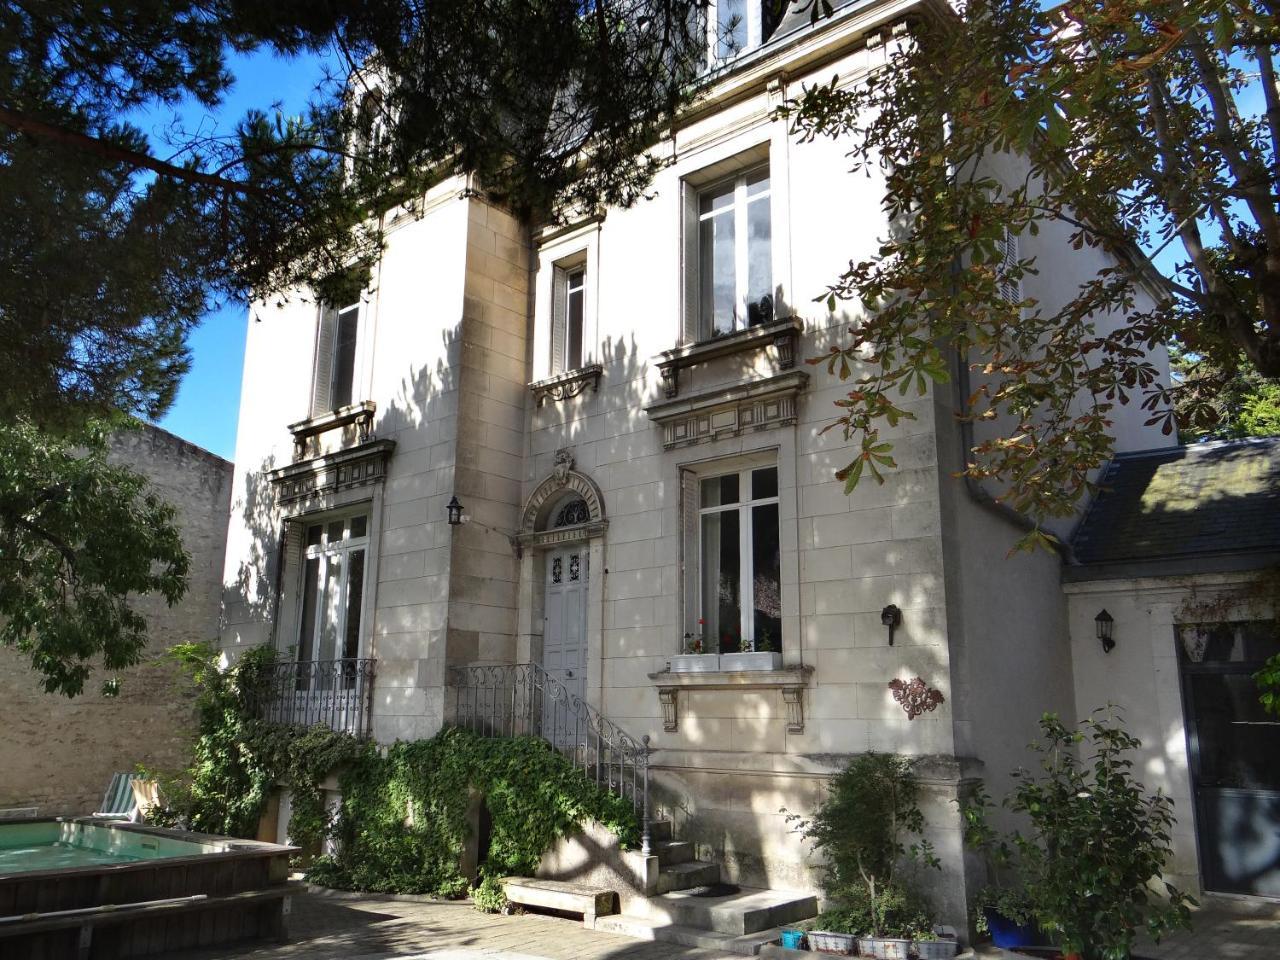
[(564, 463)]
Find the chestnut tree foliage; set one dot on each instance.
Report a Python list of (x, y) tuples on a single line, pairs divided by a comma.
[(1133, 124), (113, 247)]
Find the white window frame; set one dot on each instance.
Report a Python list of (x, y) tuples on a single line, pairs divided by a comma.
[(755, 26), (741, 244), (325, 356), (565, 270), (746, 555), (326, 552)]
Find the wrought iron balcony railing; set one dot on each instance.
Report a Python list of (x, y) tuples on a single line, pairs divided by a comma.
[(522, 699), (328, 693)]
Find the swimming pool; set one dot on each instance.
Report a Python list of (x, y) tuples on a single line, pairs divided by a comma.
[(56, 844), (105, 889)]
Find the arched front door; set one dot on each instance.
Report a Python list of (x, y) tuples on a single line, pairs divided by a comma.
[(564, 647)]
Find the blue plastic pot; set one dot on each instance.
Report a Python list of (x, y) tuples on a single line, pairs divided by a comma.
[(793, 939), (1009, 935)]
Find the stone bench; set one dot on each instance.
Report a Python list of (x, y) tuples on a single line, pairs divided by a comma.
[(591, 902)]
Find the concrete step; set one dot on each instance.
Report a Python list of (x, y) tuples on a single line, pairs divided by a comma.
[(748, 945), (591, 902), (671, 852), (692, 873), (749, 910)]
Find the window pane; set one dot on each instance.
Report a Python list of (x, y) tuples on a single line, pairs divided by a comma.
[(718, 491), (766, 591), (1238, 740), (573, 322), (721, 583), (717, 273), (758, 182), (344, 357), (759, 261), (307, 629), (355, 593), (330, 610), (336, 530), (313, 535), (359, 526), (764, 483), (716, 199), (731, 27)]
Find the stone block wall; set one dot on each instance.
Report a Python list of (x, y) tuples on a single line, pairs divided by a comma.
[(57, 754)]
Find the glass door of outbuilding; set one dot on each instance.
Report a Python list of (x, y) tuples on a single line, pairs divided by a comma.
[(1234, 748)]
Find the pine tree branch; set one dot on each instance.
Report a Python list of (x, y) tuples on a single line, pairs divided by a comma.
[(112, 151)]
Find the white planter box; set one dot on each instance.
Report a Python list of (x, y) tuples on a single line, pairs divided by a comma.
[(695, 663), (732, 662)]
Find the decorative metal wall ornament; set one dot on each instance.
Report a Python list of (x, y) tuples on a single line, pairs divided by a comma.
[(572, 513), (916, 696)]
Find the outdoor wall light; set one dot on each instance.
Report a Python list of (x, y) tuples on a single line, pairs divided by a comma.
[(1104, 623), (891, 617), (455, 512)]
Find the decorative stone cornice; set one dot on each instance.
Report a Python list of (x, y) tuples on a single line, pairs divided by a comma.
[(729, 411), (564, 386), (779, 334), (360, 466)]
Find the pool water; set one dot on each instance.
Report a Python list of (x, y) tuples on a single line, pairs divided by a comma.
[(57, 845)]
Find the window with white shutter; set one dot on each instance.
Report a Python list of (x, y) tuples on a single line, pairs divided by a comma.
[(334, 374), (568, 314)]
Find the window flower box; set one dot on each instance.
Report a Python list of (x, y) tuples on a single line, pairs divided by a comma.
[(762, 660), (696, 663)]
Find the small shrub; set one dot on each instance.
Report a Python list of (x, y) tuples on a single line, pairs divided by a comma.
[(489, 895), (1096, 840), (862, 829)]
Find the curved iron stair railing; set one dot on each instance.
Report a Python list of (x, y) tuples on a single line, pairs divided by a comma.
[(522, 699)]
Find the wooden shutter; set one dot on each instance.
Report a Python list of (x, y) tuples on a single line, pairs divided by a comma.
[(559, 302), (1010, 288), (692, 327), (322, 374), (690, 562)]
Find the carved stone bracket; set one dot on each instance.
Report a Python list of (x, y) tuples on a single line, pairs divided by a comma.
[(670, 718), (790, 680), (564, 386), (915, 696)]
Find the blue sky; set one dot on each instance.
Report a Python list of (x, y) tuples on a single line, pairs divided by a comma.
[(208, 402)]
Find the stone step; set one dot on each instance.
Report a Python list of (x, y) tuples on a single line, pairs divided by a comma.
[(692, 873), (591, 902), (747, 945), (748, 910), (671, 852)]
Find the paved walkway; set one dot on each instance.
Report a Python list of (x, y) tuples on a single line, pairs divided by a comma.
[(348, 927), (341, 927)]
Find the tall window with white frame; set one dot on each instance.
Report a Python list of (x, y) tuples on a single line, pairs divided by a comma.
[(333, 575), (740, 554), (333, 384), (568, 312), (735, 271)]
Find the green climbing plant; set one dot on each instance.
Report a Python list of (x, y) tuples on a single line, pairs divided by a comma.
[(404, 815)]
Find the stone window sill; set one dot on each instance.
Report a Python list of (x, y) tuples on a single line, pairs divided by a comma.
[(790, 680), (563, 386), (780, 334), (359, 414)]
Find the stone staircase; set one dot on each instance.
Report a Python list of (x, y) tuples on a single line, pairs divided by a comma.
[(692, 907)]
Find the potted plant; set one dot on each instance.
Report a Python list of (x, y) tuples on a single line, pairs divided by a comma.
[(757, 655), (862, 828), (694, 658), (1095, 842), (930, 943)]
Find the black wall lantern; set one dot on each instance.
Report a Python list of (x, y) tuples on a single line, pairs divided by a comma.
[(455, 512), (1104, 623), (891, 617)]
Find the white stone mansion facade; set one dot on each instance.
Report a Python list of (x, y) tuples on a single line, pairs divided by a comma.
[(621, 408)]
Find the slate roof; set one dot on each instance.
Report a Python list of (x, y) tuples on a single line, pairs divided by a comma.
[(1207, 500)]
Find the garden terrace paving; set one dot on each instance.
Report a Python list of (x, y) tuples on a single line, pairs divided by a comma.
[(330, 926)]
